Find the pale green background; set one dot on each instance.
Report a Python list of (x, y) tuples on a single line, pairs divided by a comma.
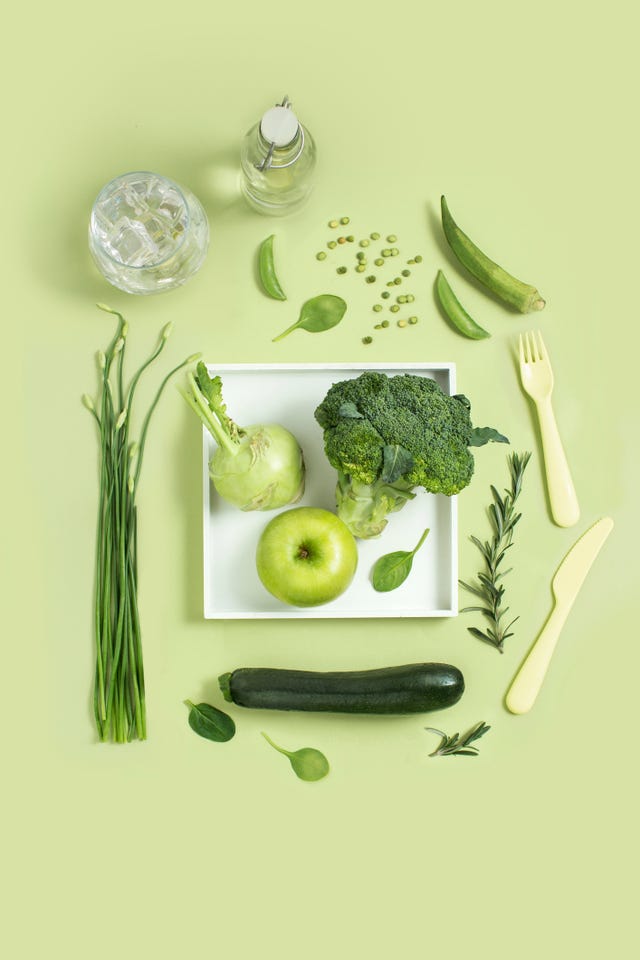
[(527, 118)]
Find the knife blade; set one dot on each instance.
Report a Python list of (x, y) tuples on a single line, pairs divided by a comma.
[(566, 585)]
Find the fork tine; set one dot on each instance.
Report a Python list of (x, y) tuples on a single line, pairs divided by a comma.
[(541, 347), (521, 349), (530, 352)]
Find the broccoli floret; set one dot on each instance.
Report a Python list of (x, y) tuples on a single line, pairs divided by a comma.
[(386, 435)]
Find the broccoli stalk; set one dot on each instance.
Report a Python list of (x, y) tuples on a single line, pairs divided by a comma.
[(364, 506), (386, 436)]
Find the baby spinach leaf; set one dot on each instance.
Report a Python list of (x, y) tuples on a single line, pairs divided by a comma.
[(392, 569), (317, 315), (308, 763), (209, 722), (482, 435)]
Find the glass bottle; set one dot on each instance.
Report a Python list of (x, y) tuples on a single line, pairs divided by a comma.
[(278, 158)]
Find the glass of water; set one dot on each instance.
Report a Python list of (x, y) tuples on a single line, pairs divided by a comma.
[(147, 234)]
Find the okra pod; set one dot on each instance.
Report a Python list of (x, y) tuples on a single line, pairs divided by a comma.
[(522, 296)]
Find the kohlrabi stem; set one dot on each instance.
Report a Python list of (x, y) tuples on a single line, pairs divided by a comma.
[(198, 403)]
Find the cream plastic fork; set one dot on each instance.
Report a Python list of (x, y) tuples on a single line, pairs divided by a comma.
[(537, 379)]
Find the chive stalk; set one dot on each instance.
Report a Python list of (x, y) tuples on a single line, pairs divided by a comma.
[(119, 690)]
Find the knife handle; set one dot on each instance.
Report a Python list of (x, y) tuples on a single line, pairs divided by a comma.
[(528, 680)]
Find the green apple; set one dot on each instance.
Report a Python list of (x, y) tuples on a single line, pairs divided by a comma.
[(306, 556)]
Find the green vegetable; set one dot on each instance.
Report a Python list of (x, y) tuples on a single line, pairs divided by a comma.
[(267, 269), (367, 340), (119, 690), (411, 688), (455, 312), (392, 569), (308, 764), (387, 435), (321, 255), (317, 315), (522, 296), (456, 746), (259, 467), (209, 722), (490, 586)]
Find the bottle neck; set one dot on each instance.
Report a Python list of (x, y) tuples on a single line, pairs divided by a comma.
[(280, 156)]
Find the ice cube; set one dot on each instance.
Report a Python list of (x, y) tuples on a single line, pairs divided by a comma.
[(130, 243)]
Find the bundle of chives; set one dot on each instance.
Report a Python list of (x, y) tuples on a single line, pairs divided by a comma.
[(119, 694)]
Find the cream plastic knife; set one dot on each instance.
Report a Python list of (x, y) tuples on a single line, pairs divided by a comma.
[(566, 584)]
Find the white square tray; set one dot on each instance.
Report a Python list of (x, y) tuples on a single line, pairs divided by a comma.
[(288, 394)]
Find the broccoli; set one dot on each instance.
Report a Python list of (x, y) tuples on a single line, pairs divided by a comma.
[(386, 435)]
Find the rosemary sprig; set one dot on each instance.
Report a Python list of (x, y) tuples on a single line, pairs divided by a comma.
[(490, 587), (457, 745)]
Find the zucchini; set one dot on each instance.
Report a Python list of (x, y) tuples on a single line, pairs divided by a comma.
[(412, 688)]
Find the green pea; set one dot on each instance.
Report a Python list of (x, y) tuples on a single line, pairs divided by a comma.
[(361, 268), (367, 339), (341, 270), (332, 244), (385, 294), (386, 252), (394, 308), (418, 259), (360, 255), (402, 323), (350, 238), (385, 323), (391, 238), (344, 220), (410, 298), (377, 326), (394, 251), (321, 255), (411, 261), (371, 279), (401, 299), (364, 243), (413, 320), (379, 262), (406, 273), (377, 307), (374, 236), (342, 239), (397, 281), (333, 224)]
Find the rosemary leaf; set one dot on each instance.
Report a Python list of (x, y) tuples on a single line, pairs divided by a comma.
[(490, 587), (457, 745)]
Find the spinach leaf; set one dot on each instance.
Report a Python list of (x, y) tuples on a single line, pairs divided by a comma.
[(318, 314), (392, 569), (210, 723)]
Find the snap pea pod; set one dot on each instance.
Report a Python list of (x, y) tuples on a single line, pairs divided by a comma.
[(522, 296), (268, 275), (456, 312)]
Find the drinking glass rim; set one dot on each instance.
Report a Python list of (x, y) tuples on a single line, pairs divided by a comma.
[(157, 176)]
